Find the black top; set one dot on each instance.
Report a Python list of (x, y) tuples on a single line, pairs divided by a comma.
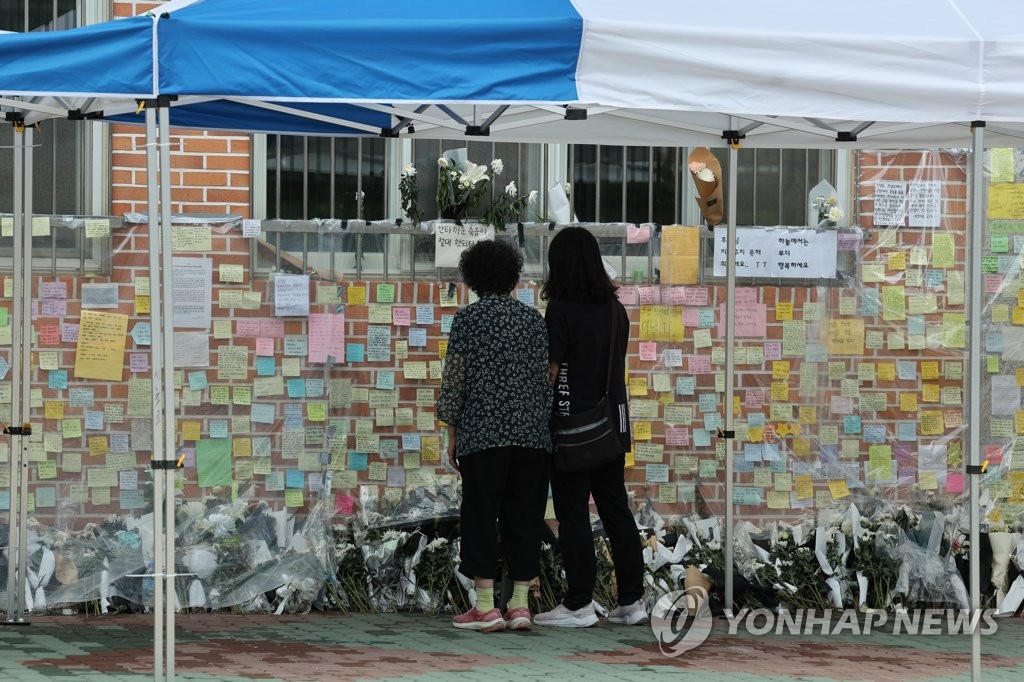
[(578, 338), (496, 385)]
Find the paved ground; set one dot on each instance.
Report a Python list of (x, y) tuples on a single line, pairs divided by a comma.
[(419, 648)]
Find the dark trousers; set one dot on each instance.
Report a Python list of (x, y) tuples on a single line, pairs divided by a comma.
[(571, 493), (507, 485)]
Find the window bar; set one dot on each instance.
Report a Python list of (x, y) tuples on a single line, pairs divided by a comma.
[(82, 242), (753, 189), (359, 256), (412, 256), (277, 178), (650, 184), (625, 183), (597, 185), (277, 252), (53, 247), (305, 252), (781, 205), (387, 245), (677, 185)]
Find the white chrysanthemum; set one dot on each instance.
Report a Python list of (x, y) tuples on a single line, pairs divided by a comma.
[(442, 162), (533, 197), (497, 166), (835, 213), (409, 170), (510, 189)]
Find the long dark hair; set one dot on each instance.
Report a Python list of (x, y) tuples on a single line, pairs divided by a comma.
[(575, 269)]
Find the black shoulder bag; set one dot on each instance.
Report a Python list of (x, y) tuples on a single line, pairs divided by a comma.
[(589, 439)]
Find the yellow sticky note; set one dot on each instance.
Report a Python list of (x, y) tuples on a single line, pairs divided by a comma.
[(357, 295), (803, 485), (930, 370), (780, 369), (231, 273), (98, 446), (908, 402), (838, 489), (897, 261), (783, 311), (54, 409), (680, 251), (191, 430), (293, 497), (241, 447), (932, 423), (642, 431), (638, 386), (40, 226)]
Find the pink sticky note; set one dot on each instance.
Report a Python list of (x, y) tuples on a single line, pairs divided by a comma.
[(691, 317), (773, 350), (746, 295), (994, 454), (265, 347), (751, 319), (638, 234), (138, 362), (993, 283), (344, 504), (648, 351), (247, 328), (272, 328), (326, 337), (695, 296), (698, 364), (673, 296), (677, 436), (627, 295), (955, 482), (400, 317), (649, 295), (753, 397)]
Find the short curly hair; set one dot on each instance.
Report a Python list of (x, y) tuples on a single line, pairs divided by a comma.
[(491, 266)]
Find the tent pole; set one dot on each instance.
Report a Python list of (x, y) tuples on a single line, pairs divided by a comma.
[(167, 331), (156, 352), (22, 346), (973, 260), (26, 367), (730, 342)]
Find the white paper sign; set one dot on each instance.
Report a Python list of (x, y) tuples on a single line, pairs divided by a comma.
[(251, 228), (890, 203), (1005, 395), (191, 349), (779, 253), (291, 295), (193, 292), (924, 203), (99, 295), (450, 240)]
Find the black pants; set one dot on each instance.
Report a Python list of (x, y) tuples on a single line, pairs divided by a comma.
[(571, 493), (507, 485)]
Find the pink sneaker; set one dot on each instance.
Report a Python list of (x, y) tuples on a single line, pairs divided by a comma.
[(519, 619), (474, 619)]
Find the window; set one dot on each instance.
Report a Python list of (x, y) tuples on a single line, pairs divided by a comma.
[(62, 151), (346, 179)]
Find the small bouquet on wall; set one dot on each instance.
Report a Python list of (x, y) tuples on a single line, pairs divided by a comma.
[(507, 207), (409, 191), (828, 209), (461, 184)]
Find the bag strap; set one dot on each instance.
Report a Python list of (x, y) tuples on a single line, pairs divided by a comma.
[(611, 350)]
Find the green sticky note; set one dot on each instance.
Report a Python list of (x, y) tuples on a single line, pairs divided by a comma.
[(992, 362), (293, 497), (46, 470), (385, 293), (1000, 243), (213, 460), (708, 468), (3, 317)]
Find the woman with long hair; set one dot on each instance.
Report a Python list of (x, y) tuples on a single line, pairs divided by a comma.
[(582, 309)]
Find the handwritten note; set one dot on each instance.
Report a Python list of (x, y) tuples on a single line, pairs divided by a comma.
[(100, 348)]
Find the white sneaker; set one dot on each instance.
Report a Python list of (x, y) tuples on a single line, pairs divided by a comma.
[(631, 614), (562, 617)]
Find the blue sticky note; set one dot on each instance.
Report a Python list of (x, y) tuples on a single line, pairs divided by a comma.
[(141, 333), (132, 499), (851, 423), (755, 419), (705, 317), (385, 380), (355, 352), (4, 368), (993, 343), (906, 431), (741, 466), (80, 397), (296, 388), (712, 421), (424, 314), (357, 461), (933, 279), (770, 452), (906, 370), (294, 478), (525, 296), (93, 420), (874, 433), (262, 413), (292, 416), (46, 497), (314, 388), (218, 428), (57, 378), (197, 380), (815, 352), (265, 367), (708, 402), (446, 322), (417, 337), (388, 448), (686, 385), (411, 441), (752, 452), (868, 302), (701, 438), (915, 325)]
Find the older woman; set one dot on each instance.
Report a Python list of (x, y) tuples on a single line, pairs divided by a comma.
[(496, 399)]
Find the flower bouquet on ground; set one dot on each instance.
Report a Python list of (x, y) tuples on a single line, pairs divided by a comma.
[(876, 562), (547, 594)]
